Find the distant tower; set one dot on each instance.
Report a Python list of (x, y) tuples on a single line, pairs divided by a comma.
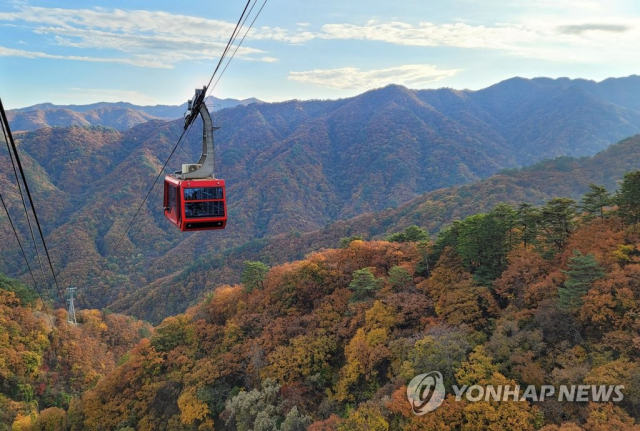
[(71, 315)]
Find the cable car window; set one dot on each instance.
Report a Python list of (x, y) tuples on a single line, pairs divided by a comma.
[(172, 199), (203, 193), (203, 209)]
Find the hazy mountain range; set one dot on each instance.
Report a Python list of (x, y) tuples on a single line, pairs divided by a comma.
[(302, 174), (120, 115)]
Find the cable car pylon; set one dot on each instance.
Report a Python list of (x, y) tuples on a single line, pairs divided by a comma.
[(71, 314)]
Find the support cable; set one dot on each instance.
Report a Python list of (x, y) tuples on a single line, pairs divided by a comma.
[(26, 260), (24, 206), (10, 141), (241, 40)]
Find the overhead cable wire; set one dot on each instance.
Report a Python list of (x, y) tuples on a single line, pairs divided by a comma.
[(230, 42), (241, 40), (7, 131), (26, 260), (24, 206)]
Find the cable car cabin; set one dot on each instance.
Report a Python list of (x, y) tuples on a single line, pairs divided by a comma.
[(195, 204)]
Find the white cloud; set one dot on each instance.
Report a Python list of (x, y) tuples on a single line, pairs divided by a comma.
[(139, 61), (160, 39), (282, 35), (352, 78), (583, 28), (145, 38), (564, 40), (540, 39), (429, 34)]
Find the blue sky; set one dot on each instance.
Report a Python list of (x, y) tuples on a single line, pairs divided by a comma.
[(157, 52)]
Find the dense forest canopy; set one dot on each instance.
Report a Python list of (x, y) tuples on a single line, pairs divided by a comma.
[(520, 295), (46, 362)]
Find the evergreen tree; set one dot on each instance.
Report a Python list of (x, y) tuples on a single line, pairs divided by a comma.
[(424, 267), (411, 234), (506, 220), (628, 198), (594, 201), (485, 240), (363, 284), (447, 237), (583, 272), (556, 221), (253, 275), (471, 241), (528, 218), (399, 278)]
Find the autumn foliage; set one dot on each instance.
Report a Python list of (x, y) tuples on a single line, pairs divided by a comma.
[(46, 362), (330, 342)]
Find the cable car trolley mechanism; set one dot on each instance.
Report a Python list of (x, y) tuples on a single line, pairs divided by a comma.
[(194, 199)]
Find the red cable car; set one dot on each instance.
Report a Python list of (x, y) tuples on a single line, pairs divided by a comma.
[(194, 199)]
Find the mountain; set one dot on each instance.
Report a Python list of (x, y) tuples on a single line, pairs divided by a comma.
[(157, 111), (120, 115), (114, 117), (542, 118), (297, 167), (332, 342)]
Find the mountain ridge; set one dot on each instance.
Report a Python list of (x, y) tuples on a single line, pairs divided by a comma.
[(291, 168), (159, 111)]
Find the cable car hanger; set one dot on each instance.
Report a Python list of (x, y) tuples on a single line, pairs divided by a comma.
[(206, 165)]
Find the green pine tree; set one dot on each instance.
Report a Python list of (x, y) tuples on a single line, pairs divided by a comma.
[(399, 278), (485, 240), (583, 272), (363, 284), (594, 201), (506, 220), (628, 198), (424, 267), (556, 221), (411, 234), (253, 275), (528, 220)]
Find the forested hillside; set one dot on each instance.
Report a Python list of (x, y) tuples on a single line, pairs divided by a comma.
[(535, 185), (46, 362), (527, 295), (298, 167), (113, 117)]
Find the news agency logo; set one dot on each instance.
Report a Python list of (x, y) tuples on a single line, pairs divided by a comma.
[(426, 392)]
